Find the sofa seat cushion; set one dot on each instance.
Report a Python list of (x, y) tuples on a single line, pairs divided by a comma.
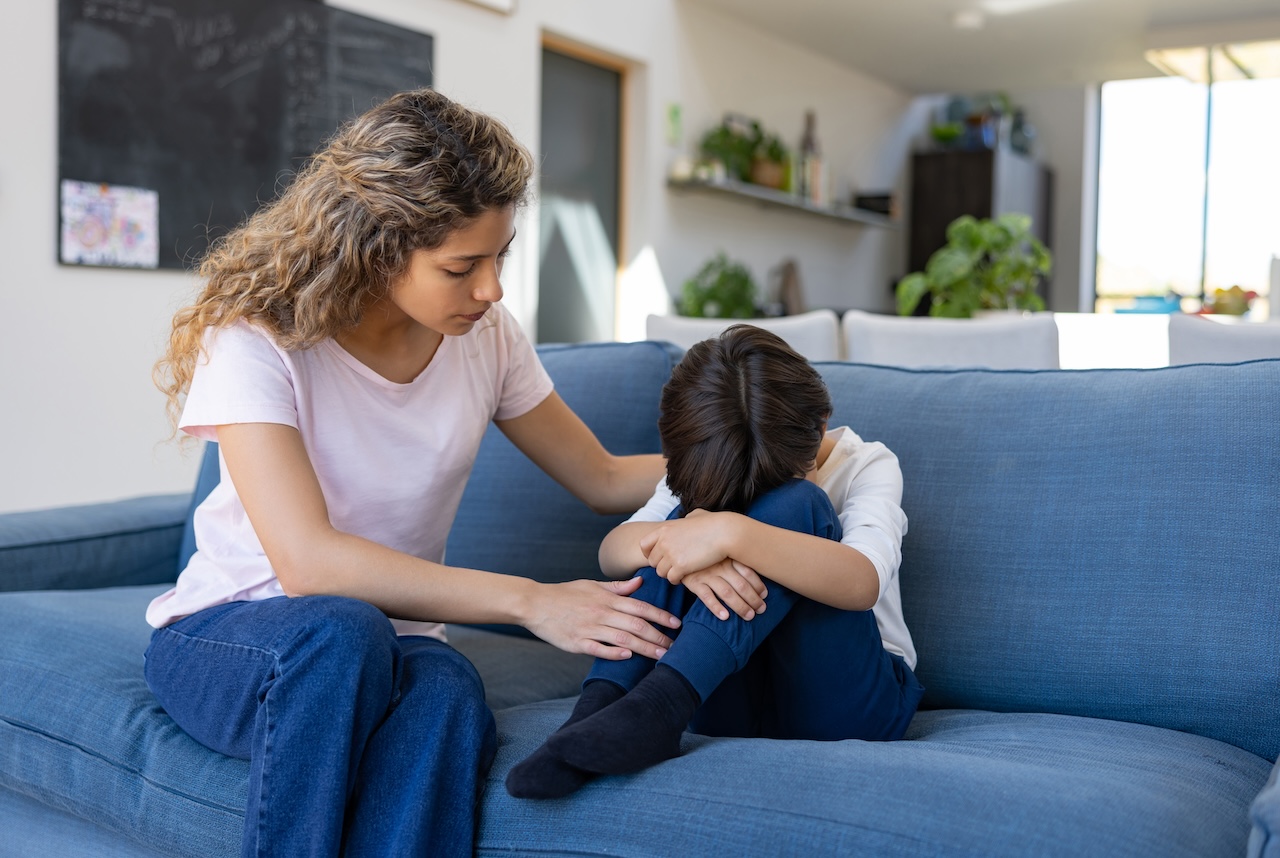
[(962, 783), (81, 732)]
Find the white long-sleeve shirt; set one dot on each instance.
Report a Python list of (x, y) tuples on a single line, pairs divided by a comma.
[(864, 482)]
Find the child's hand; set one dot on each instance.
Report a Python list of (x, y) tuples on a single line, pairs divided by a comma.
[(679, 547), (729, 584)]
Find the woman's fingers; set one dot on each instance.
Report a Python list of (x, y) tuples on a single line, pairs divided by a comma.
[(599, 618)]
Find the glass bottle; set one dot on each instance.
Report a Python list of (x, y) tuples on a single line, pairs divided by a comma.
[(812, 180)]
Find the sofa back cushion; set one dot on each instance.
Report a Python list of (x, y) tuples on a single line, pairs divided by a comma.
[(514, 518), (1101, 543)]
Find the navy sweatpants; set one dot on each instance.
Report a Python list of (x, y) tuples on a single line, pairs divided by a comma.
[(800, 670)]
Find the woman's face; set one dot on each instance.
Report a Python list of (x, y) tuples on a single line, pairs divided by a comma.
[(449, 288)]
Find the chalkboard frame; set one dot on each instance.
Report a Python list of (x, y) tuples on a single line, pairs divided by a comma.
[(203, 109)]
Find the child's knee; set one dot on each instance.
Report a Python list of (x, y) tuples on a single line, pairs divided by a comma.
[(798, 505)]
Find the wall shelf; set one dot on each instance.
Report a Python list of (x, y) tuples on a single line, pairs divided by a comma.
[(768, 197)]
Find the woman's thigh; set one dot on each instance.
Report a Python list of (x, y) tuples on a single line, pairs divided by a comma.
[(210, 671)]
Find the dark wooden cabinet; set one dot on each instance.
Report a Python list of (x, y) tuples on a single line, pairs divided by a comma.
[(985, 183)]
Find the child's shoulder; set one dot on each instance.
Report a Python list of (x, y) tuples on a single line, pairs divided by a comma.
[(849, 450)]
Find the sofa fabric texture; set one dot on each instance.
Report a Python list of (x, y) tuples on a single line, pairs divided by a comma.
[(1094, 611)]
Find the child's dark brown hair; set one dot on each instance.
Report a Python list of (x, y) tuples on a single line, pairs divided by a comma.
[(742, 414)]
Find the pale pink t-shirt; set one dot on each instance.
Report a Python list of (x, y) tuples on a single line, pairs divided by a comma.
[(392, 459)]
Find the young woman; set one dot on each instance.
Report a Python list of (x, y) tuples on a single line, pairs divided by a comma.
[(347, 352), (761, 508)]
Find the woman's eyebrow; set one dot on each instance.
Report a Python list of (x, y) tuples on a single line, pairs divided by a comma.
[(465, 257)]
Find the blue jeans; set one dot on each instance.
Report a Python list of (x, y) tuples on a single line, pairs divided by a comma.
[(359, 743), (800, 670)]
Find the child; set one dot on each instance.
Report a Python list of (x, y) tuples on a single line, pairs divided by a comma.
[(746, 511), (347, 352)]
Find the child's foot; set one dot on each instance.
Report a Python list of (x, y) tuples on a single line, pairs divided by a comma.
[(638, 731), (543, 774)]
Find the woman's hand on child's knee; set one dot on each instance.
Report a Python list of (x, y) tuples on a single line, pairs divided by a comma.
[(601, 619), (729, 586)]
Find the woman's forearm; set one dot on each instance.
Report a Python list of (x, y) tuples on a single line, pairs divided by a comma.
[(401, 585), (629, 482)]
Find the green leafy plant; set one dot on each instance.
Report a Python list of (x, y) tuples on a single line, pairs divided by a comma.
[(734, 145), (722, 289), (771, 148), (985, 265)]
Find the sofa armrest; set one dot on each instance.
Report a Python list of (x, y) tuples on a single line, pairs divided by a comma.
[(1264, 839), (115, 544)]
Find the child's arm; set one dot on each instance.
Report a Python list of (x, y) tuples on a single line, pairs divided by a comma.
[(620, 554), (831, 572), (845, 574)]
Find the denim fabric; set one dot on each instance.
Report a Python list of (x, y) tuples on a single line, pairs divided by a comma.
[(81, 732), (358, 742), (1264, 840), (97, 545), (614, 388), (798, 670), (518, 670), (1101, 543), (33, 829), (1096, 543), (960, 784)]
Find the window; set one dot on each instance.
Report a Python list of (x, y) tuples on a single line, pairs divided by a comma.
[(1188, 181)]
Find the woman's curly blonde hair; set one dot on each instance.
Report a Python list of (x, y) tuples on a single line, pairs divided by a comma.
[(400, 177)]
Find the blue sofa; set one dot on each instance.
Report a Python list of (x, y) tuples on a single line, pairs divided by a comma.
[(1091, 578)]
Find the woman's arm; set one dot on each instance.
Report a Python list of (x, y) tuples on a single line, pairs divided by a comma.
[(559, 443), (274, 478), (820, 569)]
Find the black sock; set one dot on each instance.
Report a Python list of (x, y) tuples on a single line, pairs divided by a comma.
[(543, 774), (596, 694), (638, 731)]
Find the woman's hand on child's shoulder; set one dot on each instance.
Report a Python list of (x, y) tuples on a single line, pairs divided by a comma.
[(729, 586)]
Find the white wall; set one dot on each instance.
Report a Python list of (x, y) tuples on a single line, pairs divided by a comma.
[(1065, 119), (79, 419)]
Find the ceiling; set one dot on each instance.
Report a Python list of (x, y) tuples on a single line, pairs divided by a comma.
[(922, 46)]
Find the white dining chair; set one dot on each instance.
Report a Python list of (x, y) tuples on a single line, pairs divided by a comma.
[(815, 334), (1197, 339), (994, 342)]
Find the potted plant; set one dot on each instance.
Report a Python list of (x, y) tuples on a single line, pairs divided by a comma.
[(988, 264), (733, 144), (721, 289), (770, 162)]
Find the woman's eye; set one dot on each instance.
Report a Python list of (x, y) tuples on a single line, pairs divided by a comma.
[(460, 273)]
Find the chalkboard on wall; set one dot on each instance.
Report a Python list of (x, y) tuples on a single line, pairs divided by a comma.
[(203, 109)]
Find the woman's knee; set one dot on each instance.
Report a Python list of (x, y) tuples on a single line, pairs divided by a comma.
[(347, 625), (442, 686), (344, 643)]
